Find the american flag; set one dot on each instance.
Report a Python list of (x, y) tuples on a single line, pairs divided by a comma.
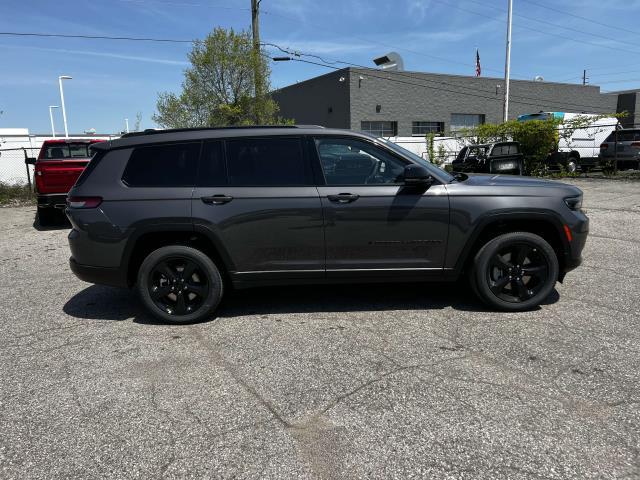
[(478, 68)]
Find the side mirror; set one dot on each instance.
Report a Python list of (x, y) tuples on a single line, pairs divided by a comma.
[(417, 176), (30, 161)]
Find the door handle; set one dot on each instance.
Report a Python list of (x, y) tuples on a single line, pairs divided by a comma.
[(343, 197), (216, 199)]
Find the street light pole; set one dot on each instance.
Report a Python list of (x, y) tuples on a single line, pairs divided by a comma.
[(64, 112), (126, 125), (507, 65), (53, 128)]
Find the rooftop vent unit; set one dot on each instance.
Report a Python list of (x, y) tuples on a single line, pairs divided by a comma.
[(390, 61)]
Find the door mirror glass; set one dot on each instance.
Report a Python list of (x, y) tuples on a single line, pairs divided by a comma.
[(417, 175)]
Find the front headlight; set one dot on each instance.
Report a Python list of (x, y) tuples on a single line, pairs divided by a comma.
[(574, 203)]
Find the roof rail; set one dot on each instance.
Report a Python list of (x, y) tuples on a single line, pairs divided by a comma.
[(154, 131)]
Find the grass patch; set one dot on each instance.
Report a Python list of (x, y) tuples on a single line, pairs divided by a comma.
[(16, 195)]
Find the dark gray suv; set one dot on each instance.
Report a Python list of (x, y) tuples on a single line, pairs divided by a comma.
[(184, 214)]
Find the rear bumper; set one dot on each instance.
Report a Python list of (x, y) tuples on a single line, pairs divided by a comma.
[(52, 200), (100, 275)]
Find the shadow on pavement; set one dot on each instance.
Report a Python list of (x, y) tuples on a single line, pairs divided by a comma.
[(106, 303), (59, 222)]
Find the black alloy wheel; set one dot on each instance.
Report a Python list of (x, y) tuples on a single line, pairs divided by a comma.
[(515, 271), (180, 284)]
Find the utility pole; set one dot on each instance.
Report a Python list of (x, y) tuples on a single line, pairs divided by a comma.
[(584, 77), (257, 73), (64, 111), (126, 125), (53, 128), (507, 65)]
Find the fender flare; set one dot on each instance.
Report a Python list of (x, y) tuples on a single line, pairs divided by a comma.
[(489, 218)]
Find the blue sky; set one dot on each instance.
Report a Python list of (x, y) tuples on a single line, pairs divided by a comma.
[(113, 80)]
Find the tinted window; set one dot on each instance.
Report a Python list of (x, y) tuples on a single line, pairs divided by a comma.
[(624, 136), (60, 151), (213, 172), (267, 161), (355, 162), (510, 149), (163, 166)]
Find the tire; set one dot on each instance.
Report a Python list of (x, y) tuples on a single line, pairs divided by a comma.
[(514, 290), (173, 296), (47, 216)]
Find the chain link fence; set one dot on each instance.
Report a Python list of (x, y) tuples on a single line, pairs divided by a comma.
[(13, 168)]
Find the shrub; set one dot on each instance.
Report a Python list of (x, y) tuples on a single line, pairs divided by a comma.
[(16, 194)]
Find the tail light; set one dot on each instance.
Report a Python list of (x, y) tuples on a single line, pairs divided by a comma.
[(635, 144), (84, 202), (604, 146)]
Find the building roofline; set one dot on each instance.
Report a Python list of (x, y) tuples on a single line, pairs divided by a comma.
[(312, 79)]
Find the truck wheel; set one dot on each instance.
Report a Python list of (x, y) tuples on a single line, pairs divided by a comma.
[(179, 284), (515, 271), (572, 165), (46, 216)]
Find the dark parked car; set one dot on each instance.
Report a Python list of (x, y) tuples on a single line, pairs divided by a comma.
[(501, 157), (622, 147), (184, 214)]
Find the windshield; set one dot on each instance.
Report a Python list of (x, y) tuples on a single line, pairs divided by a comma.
[(438, 172)]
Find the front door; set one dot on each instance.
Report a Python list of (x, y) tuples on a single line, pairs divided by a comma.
[(263, 208), (374, 225)]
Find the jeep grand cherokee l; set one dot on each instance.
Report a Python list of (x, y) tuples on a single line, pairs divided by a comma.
[(181, 215)]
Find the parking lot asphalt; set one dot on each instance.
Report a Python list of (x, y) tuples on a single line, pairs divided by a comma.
[(355, 381)]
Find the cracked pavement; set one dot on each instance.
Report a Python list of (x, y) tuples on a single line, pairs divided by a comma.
[(354, 381)]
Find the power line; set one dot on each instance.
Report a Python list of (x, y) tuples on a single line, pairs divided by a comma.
[(325, 28), (96, 37), (466, 89), (602, 24), (636, 52), (563, 27), (367, 73)]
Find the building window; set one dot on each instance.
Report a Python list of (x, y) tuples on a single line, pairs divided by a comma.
[(460, 121), (422, 128), (380, 128)]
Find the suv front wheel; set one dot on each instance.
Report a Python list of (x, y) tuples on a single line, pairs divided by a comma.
[(180, 284), (515, 271)]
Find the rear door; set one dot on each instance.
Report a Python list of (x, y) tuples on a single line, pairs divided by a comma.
[(257, 197), (374, 225)]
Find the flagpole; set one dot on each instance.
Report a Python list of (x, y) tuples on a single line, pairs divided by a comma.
[(507, 65)]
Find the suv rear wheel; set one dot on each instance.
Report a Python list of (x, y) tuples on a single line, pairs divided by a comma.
[(179, 284), (515, 271)]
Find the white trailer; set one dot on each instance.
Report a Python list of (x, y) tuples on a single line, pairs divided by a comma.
[(581, 145)]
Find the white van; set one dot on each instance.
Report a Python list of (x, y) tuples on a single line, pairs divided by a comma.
[(580, 149)]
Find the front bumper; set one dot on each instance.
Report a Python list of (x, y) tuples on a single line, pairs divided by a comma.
[(579, 233), (100, 275)]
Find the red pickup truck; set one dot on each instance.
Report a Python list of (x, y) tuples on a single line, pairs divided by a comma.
[(58, 166)]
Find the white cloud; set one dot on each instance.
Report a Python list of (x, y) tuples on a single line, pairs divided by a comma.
[(119, 56)]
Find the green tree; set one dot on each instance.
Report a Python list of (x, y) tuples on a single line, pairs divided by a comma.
[(218, 87), (537, 138)]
